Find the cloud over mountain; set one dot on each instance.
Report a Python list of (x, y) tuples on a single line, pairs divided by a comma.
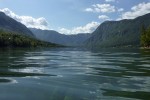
[(137, 10), (88, 28), (29, 21)]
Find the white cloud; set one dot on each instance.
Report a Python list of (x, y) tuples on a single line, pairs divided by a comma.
[(110, 0), (120, 10), (28, 21), (89, 10), (103, 17), (103, 8), (138, 10), (88, 28)]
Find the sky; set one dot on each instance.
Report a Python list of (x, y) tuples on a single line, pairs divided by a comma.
[(72, 16)]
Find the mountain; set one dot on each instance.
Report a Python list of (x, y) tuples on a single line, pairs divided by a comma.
[(78, 39), (55, 37), (15, 34), (11, 25), (118, 33)]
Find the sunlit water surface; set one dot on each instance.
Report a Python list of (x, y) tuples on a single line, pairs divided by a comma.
[(74, 74)]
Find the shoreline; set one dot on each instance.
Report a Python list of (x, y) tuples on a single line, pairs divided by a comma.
[(144, 47)]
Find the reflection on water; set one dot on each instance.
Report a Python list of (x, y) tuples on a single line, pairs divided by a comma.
[(74, 74)]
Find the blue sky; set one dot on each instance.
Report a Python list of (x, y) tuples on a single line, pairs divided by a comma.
[(72, 16)]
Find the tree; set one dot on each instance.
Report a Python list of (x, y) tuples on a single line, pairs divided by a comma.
[(8, 39), (145, 37)]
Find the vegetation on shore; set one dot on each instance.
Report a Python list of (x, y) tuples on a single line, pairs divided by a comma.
[(145, 37), (10, 39)]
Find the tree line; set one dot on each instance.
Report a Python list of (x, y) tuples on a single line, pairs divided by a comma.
[(10, 39)]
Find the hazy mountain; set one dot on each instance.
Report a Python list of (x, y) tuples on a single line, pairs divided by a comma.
[(118, 33), (55, 37), (11, 25)]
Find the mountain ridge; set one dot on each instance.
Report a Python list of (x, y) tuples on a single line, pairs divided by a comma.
[(15, 34), (11, 25), (56, 37), (118, 33)]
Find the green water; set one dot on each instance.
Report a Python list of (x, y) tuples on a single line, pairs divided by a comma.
[(74, 74)]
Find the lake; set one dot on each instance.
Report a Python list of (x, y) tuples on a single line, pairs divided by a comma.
[(74, 74)]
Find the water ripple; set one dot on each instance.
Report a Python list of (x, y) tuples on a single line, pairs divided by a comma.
[(75, 74)]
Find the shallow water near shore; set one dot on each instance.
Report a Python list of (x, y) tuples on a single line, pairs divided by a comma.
[(74, 74)]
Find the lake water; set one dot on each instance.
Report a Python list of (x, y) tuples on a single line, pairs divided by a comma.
[(74, 74)]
